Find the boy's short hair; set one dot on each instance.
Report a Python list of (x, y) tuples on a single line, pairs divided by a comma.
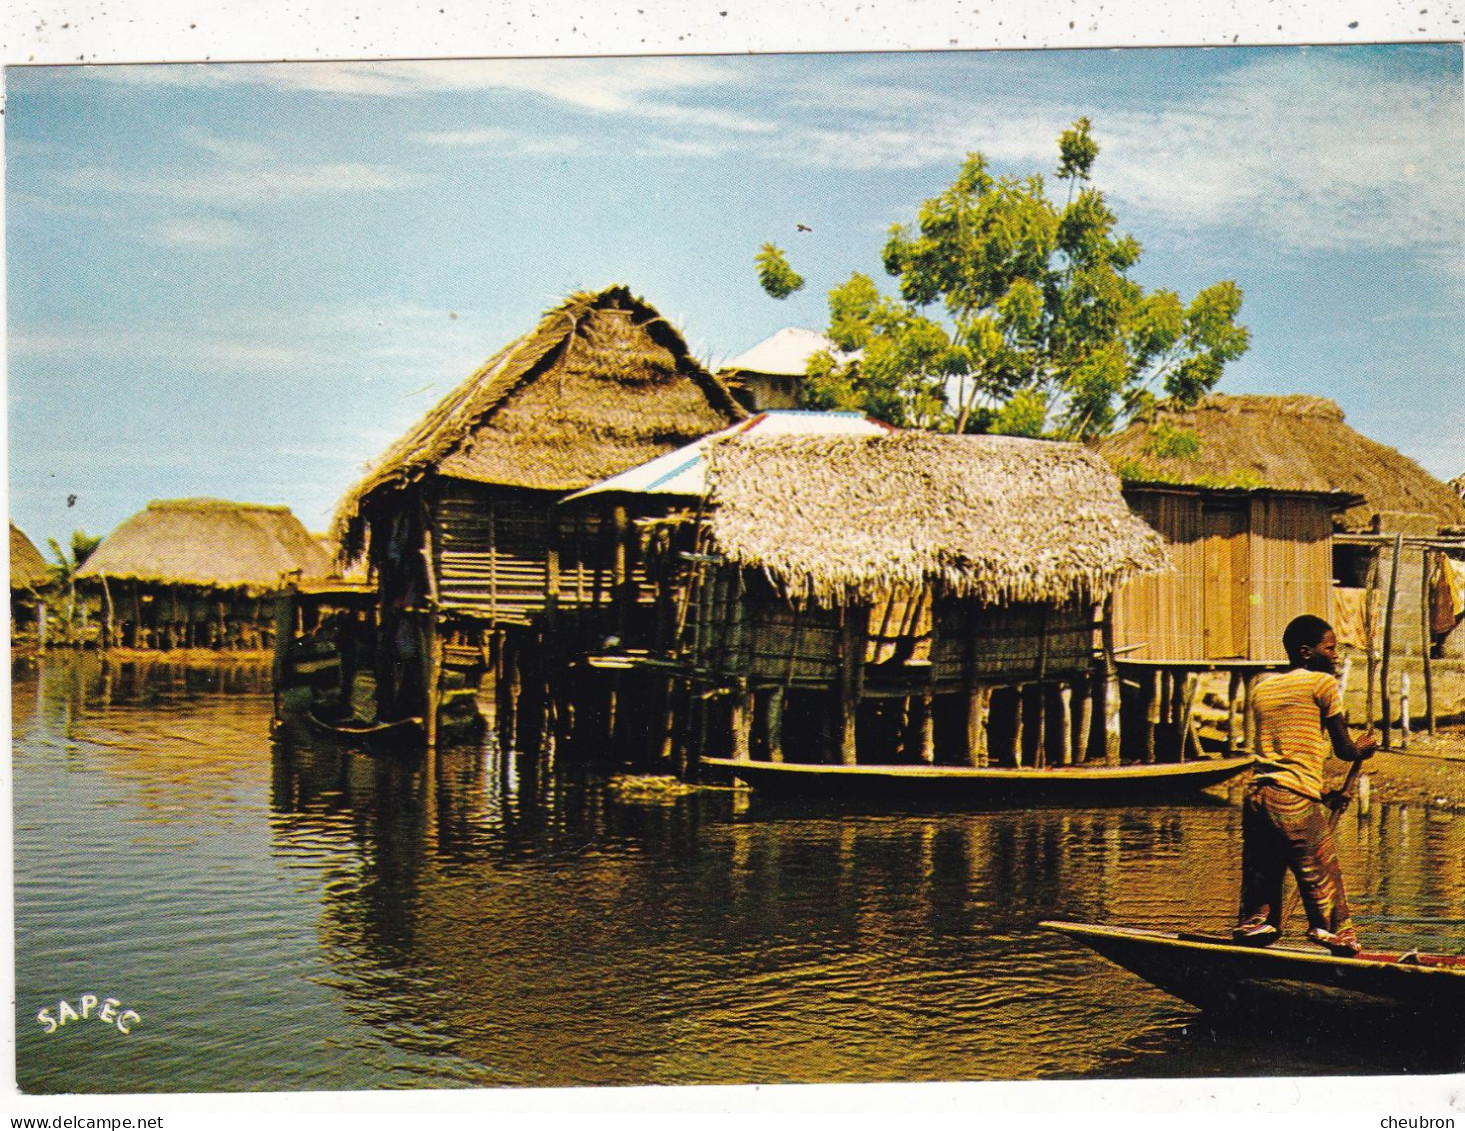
[(1304, 631)]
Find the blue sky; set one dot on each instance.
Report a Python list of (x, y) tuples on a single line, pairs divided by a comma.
[(246, 280)]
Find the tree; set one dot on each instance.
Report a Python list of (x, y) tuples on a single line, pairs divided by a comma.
[(1015, 314), (65, 566)]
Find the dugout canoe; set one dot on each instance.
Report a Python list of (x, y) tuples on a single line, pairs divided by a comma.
[(964, 784), (378, 737), (1260, 983)]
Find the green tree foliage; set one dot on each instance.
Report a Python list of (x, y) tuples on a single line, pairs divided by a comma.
[(1016, 314), (774, 274)]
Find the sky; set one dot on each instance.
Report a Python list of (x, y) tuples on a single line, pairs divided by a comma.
[(246, 280)]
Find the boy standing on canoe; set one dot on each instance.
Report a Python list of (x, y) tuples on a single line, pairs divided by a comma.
[(1285, 817)]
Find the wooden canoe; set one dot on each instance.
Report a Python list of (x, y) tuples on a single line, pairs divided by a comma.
[(952, 784), (401, 734), (1268, 984)]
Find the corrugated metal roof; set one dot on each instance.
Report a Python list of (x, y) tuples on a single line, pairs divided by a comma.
[(681, 472), (786, 353)]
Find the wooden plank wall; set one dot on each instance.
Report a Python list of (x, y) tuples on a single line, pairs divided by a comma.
[(492, 553), (1162, 616), (1292, 568)]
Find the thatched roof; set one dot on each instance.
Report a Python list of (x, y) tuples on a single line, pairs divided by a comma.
[(602, 384), (28, 570), (1458, 483), (209, 543), (1289, 443), (848, 518)]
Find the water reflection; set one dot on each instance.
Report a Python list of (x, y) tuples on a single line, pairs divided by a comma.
[(303, 915)]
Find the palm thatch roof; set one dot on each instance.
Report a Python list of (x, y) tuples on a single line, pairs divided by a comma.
[(602, 384), (209, 543), (28, 570), (846, 519), (1289, 443)]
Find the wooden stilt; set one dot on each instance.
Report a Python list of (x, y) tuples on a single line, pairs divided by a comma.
[(1112, 737), (1388, 647), (1369, 600), (1188, 693), (1234, 709), (1065, 713), (979, 703), (1403, 710), (927, 721), (1153, 704), (1085, 717), (434, 677), (741, 722), (1017, 721), (775, 724), (1426, 636), (1040, 733), (1343, 681)]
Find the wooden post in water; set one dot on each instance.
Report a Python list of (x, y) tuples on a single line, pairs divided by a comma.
[(1187, 714), (851, 665), (1370, 595), (434, 678), (1233, 712), (1389, 638), (1017, 721), (742, 723), (1426, 637), (1065, 713), (1403, 710), (1112, 737), (775, 723), (978, 706), (926, 719), (1040, 737), (1153, 703), (1085, 716)]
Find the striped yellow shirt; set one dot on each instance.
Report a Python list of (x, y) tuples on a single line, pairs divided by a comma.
[(1291, 744)]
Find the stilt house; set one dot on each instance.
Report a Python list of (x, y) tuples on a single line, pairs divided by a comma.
[(1272, 507), (188, 573), (771, 374), (458, 517), (29, 576), (907, 596)]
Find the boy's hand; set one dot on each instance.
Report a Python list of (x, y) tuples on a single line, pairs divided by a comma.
[(1338, 799), (1366, 744)]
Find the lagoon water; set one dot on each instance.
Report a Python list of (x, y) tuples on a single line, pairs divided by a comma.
[(284, 914)]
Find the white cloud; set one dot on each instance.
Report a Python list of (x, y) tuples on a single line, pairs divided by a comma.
[(198, 233), (504, 143), (240, 185)]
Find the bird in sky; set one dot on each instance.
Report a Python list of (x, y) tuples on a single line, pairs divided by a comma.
[(805, 228)]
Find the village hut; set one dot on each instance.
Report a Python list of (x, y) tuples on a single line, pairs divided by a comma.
[(458, 517), (1273, 506), (771, 374), (29, 577), (189, 573), (865, 596)]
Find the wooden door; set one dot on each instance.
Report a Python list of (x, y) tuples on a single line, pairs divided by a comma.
[(1227, 580)]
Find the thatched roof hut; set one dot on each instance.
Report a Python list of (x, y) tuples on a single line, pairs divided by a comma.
[(28, 570), (209, 544), (602, 384), (1288, 443), (771, 373), (845, 519)]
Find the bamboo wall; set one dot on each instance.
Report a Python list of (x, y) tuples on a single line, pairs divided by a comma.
[(1244, 566), (501, 554), (741, 627)]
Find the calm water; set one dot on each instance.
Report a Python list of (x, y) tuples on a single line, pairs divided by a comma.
[(294, 916)]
